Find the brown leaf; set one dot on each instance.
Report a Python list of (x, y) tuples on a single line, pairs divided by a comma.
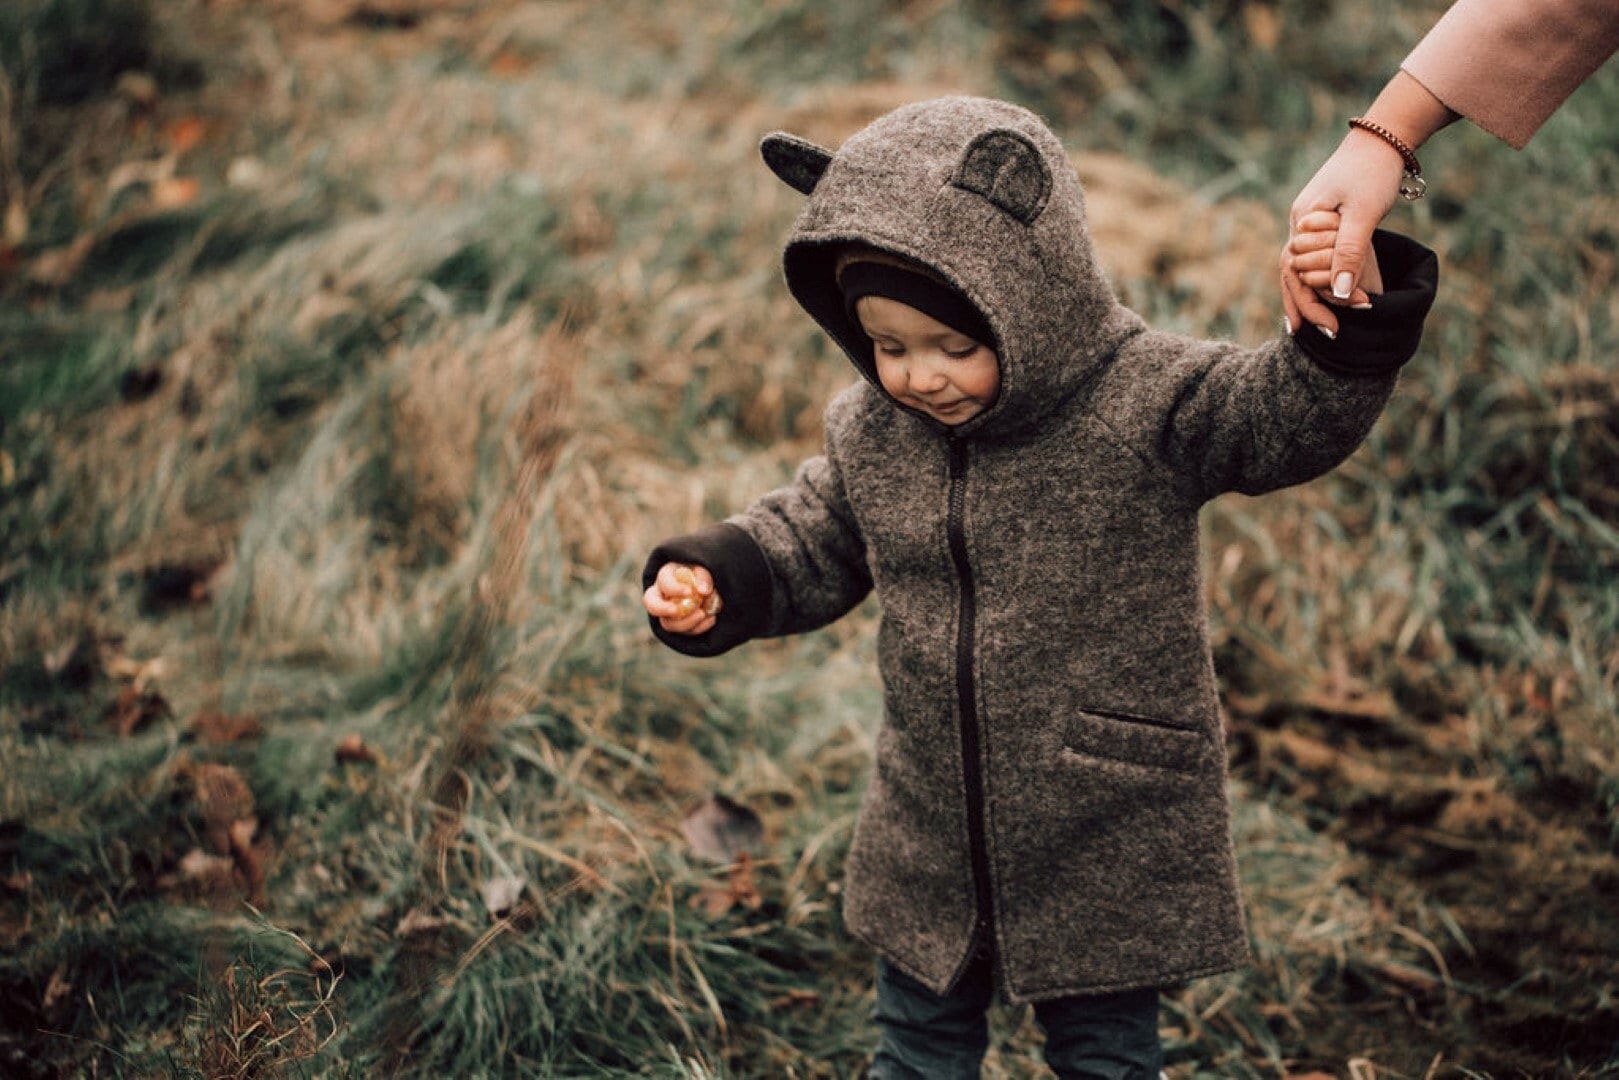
[(133, 709), (213, 726), (737, 890), (222, 796), (56, 988), (720, 830), (352, 750), (186, 133)]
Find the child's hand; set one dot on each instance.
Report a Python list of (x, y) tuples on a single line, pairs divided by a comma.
[(1307, 271), (683, 599)]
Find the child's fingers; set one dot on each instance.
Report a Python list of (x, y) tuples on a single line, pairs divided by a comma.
[(1317, 221), (698, 622), (1314, 260), (1305, 242), (703, 580), (675, 580), (657, 605)]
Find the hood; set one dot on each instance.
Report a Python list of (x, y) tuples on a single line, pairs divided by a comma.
[(982, 193)]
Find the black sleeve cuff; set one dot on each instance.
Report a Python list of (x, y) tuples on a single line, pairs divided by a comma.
[(740, 574), (1379, 341)]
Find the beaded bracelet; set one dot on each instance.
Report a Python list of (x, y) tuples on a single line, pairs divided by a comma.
[(1412, 185)]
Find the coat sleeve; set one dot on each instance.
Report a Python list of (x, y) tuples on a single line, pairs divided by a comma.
[(1216, 416), (1507, 65), (792, 562)]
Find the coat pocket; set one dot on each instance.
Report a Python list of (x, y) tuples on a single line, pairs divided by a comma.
[(1152, 741)]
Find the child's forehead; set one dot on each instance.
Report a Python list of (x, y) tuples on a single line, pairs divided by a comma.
[(880, 314)]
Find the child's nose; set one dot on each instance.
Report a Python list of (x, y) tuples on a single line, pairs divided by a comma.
[(926, 377)]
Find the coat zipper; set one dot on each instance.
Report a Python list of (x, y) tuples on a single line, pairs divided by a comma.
[(967, 697)]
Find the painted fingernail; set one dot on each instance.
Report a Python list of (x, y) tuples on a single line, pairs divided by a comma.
[(1330, 335), (1342, 284), (1361, 307), (1287, 326)]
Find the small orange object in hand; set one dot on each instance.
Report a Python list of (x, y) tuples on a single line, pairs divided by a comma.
[(683, 599)]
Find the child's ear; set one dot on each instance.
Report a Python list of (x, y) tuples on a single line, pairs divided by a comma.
[(798, 162)]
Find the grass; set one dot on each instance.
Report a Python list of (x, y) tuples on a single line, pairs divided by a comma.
[(368, 446)]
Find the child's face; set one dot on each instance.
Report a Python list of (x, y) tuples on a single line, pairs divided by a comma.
[(925, 364)]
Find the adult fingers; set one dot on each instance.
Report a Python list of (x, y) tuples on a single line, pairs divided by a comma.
[(1304, 305), (1319, 283), (1349, 253)]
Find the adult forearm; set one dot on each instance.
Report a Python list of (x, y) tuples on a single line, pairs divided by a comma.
[(1406, 108)]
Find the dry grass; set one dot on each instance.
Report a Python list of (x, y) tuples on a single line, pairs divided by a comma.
[(497, 306)]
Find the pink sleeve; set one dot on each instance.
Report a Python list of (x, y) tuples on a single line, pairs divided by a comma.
[(1507, 65)]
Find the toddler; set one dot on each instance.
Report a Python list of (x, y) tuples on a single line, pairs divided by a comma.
[(1018, 476)]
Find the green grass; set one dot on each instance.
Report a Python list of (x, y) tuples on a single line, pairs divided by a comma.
[(506, 311)]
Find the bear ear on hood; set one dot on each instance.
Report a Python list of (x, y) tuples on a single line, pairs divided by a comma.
[(1006, 168), (798, 162)]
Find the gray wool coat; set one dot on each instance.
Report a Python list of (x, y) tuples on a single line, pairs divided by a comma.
[(1050, 773)]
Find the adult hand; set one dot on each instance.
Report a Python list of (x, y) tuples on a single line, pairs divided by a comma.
[(1360, 181)]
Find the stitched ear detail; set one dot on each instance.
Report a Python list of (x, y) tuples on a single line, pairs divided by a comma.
[(1007, 169), (798, 162)]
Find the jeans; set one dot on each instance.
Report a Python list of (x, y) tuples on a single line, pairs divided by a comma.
[(928, 1037)]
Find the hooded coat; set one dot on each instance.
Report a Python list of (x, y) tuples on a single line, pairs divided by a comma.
[(1050, 773)]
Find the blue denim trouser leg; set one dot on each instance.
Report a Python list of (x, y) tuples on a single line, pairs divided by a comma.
[(1103, 1036), (926, 1036)]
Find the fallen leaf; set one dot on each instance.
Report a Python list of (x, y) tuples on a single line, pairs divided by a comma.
[(134, 708), (56, 988), (213, 726), (501, 894), (352, 750), (17, 882), (222, 796), (186, 133), (737, 890), (721, 829)]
